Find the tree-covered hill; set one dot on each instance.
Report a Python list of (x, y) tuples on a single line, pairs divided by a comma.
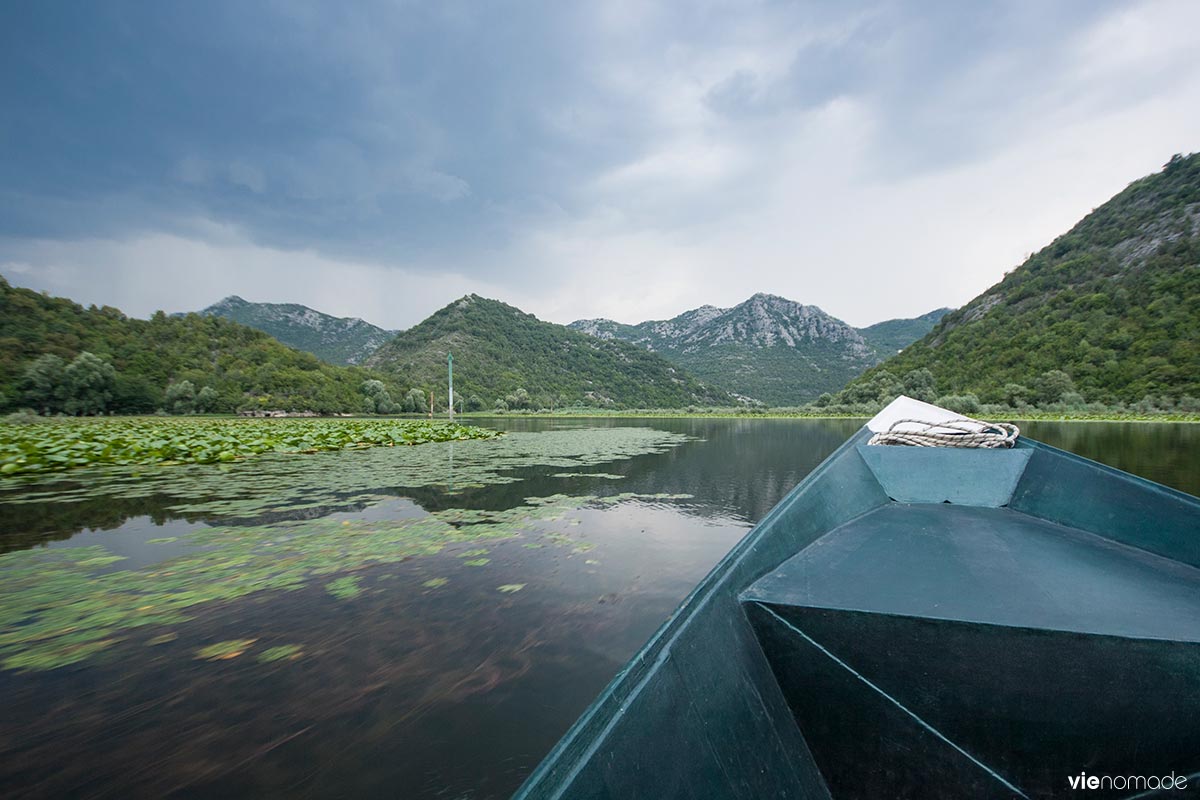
[(338, 340), (1110, 310), (241, 367), (891, 336), (501, 353)]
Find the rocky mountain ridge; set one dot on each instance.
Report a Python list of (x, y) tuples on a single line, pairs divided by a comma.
[(768, 347), (337, 340)]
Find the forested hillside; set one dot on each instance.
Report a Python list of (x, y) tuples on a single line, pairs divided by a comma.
[(891, 336), (338, 340), (1108, 312), (165, 362), (505, 358)]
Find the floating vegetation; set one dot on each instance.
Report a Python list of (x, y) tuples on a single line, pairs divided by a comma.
[(283, 484), (64, 444), (56, 608), (482, 551), (223, 651), (509, 588), (163, 639), (163, 540), (63, 605), (284, 651), (344, 588), (434, 583)]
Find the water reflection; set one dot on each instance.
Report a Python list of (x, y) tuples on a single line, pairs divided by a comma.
[(1164, 452)]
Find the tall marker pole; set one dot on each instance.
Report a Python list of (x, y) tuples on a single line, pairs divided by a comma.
[(450, 369)]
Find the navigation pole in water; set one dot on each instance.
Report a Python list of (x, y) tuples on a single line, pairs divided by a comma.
[(450, 370)]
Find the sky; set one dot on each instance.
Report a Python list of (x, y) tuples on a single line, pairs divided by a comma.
[(622, 159)]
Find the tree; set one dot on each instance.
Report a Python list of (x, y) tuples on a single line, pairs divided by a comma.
[(133, 394), (206, 400), (1052, 385), (518, 399), (474, 403), (181, 397), (377, 399), (89, 382), (415, 401), (962, 403), (43, 385), (883, 386), (920, 385), (1015, 394)]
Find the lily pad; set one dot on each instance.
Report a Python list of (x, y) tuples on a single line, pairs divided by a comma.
[(280, 652), (344, 588), (223, 651)]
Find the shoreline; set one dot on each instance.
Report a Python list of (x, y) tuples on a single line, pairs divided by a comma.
[(631, 414)]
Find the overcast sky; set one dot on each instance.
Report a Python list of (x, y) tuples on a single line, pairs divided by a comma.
[(621, 159)]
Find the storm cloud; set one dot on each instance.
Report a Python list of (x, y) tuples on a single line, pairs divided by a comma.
[(620, 159)]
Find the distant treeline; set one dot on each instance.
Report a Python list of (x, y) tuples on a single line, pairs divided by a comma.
[(58, 356)]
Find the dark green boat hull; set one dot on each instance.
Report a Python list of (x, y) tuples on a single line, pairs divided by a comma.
[(924, 623)]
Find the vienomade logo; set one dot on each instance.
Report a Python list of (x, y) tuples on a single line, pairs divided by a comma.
[(1135, 782)]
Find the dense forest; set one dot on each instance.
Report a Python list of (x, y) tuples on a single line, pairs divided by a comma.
[(58, 356), (1108, 313), (507, 359), (891, 336)]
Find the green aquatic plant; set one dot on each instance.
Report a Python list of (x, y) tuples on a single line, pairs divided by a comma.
[(284, 651), (435, 583), (509, 588), (344, 588), (65, 604), (223, 651), (482, 551), (65, 444), (283, 484)]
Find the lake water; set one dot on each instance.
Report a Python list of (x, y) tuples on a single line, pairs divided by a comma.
[(396, 622)]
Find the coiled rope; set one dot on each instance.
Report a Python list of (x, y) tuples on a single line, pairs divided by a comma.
[(966, 432)]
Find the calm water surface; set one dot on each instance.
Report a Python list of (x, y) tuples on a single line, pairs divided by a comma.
[(409, 622)]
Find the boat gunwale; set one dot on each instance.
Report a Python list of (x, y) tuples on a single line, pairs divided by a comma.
[(633, 676)]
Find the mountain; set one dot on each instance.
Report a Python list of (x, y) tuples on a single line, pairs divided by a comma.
[(891, 336), (338, 340), (1114, 303), (245, 367), (499, 349), (769, 348)]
